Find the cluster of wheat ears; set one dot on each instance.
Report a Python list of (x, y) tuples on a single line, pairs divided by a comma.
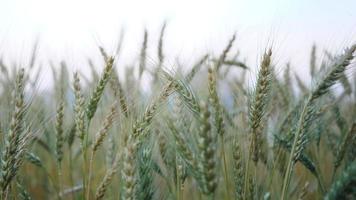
[(107, 138)]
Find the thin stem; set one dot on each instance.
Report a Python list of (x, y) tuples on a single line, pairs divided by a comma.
[(70, 170), (84, 170), (273, 169), (291, 161), (225, 165), (320, 178), (320, 183), (288, 173), (334, 175), (52, 181), (178, 189), (247, 172), (85, 159), (59, 183), (90, 175)]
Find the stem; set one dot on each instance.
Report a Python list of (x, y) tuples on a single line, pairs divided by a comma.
[(59, 183), (247, 172), (209, 197), (320, 178), (291, 161), (255, 182), (4, 194), (70, 170), (182, 190), (178, 182), (273, 169), (287, 177), (84, 170), (52, 181), (321, 185), (90, 175), (85, 159), (334, 174), (225, 166)]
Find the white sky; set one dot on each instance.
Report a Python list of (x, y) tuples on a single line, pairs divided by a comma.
[(71, 29)]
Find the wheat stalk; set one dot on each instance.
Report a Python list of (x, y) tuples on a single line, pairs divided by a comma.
[(306, 115)]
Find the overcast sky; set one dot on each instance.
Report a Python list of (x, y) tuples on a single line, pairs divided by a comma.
[(71, 29)]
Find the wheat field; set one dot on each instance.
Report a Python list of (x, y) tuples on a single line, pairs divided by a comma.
[(200, 132)]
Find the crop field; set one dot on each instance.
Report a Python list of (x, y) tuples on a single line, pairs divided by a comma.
[(198, 132)]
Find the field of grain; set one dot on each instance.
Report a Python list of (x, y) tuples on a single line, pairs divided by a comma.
[(199, 132)]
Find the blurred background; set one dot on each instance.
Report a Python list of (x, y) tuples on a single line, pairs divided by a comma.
[(72, 30)]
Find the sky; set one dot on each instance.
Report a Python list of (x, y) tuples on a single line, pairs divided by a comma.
[(72, 29)]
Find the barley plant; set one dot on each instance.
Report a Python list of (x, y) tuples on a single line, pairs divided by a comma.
[(200, 132)]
